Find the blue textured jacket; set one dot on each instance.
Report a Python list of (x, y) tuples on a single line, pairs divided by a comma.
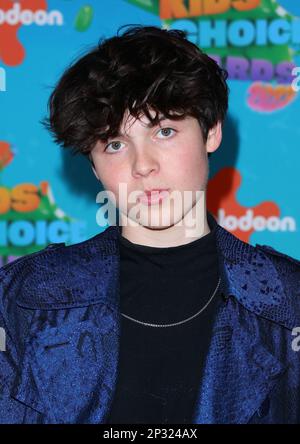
[(60, 312)]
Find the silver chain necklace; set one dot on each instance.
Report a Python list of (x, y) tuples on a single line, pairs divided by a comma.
[(149, 324)]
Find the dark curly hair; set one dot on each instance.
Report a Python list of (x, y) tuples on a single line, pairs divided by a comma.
[(144, 68)]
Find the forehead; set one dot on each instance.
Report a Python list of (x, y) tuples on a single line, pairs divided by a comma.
[(128, 120)]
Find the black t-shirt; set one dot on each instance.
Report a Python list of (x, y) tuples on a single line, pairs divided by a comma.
[(160, 368)]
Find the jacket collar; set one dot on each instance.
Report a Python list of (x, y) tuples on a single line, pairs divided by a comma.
[(90, 270)]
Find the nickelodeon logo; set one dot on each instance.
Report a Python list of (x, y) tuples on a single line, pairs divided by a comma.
[(40, 17), (222, 201), (178, 8), (249, 222)]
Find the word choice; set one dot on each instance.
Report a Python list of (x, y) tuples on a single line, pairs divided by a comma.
[(23, 233), (240, 33)]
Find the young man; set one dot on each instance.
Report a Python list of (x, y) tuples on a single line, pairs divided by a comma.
[(157, 319)]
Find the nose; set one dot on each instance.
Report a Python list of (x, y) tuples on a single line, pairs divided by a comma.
[(144, 162)]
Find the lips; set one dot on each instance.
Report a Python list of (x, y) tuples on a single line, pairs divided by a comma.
[(153, 196), (155, 190)]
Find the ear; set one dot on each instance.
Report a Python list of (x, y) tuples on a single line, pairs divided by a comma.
[(93, 166), (214, 138)]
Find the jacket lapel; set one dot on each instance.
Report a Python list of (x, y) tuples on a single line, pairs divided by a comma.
[(68, 364), (240, 370), (69, 372)]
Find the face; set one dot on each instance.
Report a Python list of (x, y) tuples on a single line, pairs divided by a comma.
[(171, 156)]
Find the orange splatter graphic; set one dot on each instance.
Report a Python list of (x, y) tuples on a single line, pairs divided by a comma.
[(44, 185), (221, 193), (6, 155), (12, 51)]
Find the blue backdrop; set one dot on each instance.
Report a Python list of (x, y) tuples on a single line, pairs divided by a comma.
[(47, 195)]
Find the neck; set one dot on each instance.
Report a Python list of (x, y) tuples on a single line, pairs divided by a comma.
[(191, 227)]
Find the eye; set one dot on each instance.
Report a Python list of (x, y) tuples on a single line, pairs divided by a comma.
[(115, 145), (166, 131)]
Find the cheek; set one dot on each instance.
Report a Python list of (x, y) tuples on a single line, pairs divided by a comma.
[(109, 177), (115, 181), (190, 164)]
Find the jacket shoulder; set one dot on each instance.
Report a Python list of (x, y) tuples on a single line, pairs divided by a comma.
[(27, 258), (15, 275), (60, 276), (278, 255), (55, 253), (288, 271)]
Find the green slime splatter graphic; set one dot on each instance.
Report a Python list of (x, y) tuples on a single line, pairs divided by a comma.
[(84, 18)]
